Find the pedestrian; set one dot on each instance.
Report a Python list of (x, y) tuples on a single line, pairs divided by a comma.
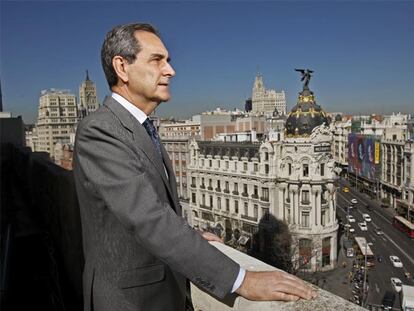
[(138, 250)]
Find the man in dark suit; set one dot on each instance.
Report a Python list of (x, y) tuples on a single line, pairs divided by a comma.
[(138, 249)]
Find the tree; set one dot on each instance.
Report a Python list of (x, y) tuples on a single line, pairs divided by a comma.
[(272, 243)]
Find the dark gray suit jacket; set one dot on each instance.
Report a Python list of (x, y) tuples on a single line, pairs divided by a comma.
[(138, 249)]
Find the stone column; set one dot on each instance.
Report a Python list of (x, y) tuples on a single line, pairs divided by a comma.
[(294, 204)]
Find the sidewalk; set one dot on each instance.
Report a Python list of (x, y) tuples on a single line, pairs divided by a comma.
[(335, 281)]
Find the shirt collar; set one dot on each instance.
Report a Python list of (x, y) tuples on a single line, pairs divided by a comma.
[(134, 110)]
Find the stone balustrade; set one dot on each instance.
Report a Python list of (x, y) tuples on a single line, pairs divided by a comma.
[(325, 301)]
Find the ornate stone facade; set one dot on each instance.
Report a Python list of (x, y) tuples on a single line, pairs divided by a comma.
[(88, 97), (266, 101)]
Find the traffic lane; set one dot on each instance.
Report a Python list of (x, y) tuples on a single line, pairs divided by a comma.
[(380, 275), (396, 237)]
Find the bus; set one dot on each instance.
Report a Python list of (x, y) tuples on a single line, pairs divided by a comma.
[(363, 249), (404, 225)]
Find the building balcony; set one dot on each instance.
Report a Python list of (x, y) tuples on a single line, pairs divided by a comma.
[(246, 217), (202, 187), (264, 199), (245, 194), (218, 189), (255, 196), (226, 191), (206, 207), (193, 186), (235, 192), (210, 188)]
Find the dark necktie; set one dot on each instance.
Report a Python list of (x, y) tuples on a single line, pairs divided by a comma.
[(152, 132)]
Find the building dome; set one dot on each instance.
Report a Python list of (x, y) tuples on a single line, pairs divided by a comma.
[(305, 116)]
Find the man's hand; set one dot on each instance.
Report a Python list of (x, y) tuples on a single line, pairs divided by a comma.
[(210, 236), (274, 285)]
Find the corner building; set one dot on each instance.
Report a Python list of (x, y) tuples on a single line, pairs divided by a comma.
[(233, 185)]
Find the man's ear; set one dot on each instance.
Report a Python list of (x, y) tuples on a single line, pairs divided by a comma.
[(120, 66)]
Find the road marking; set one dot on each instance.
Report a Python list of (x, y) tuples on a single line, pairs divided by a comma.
[(400, 249)]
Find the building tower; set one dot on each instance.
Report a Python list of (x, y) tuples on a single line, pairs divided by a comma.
[(306, 183), (265, 101), (88, 98), (57, 115)]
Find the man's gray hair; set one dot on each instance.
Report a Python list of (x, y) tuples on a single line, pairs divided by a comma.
[(121, 41)]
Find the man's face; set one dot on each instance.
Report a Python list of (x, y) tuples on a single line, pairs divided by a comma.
[(149, 76)]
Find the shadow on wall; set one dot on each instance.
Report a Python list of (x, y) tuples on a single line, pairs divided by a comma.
[(39, 202)]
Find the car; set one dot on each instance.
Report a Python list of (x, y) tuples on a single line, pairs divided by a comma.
[(388, 300), (378, 231), (396, 262), (348, 227), (345, 189), (354, 201), (366, 217), (363, 226), (396, 283), (350, 218)]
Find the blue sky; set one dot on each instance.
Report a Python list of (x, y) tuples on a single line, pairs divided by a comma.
[(362, 52)]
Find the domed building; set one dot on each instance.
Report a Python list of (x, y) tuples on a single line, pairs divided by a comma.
[(306, 183), (234, 187)]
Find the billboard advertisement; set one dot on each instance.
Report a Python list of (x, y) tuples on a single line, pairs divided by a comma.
[(364, 155)]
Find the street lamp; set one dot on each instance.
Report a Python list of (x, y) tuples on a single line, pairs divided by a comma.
[(365, 271)]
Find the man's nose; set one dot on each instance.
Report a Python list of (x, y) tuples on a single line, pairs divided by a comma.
[(168, 70)]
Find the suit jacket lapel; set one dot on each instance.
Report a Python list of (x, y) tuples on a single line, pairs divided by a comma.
[(142, 139), (171, 177)]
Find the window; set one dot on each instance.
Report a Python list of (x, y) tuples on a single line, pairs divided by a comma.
[(255, 167), (245, 166), (255, 190), (236, 207), (210, 162), (202, 181), (193, 181), (322, 169), (227, 205), (218, 184), (227, 186), (265, 193), (305, 171), (246, 209), (266, 156), (219, 203), (211, 201), (305, 219), (210, 183), (235, 166), (290, 169), (255, 211), (236, 186), (266, 168), (305, 197), (202, 162), (227, 164), (203, 199), (244, 188)]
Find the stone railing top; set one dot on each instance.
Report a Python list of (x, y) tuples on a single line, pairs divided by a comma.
[(324, 301)]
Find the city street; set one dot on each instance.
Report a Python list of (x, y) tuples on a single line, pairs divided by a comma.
[(392, 242)]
